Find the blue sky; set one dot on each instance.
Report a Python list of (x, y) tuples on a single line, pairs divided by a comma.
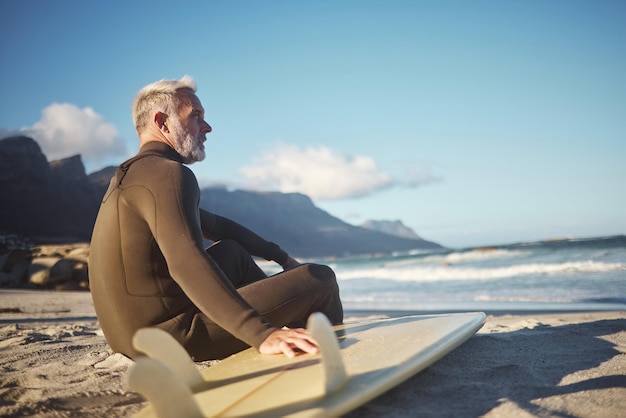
[(473, 122)]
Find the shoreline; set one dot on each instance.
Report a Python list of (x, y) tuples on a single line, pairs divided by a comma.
[(56, 362), (28, 301)]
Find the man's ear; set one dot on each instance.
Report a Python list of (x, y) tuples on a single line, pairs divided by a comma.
[(160, 120)]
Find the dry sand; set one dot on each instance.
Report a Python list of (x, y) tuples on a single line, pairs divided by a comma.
[(56, 363)]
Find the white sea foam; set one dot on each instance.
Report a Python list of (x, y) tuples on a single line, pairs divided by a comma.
[(475, 255), (462, 256), (572, 272), (431, 273)]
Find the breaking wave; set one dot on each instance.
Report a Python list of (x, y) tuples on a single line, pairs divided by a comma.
[(431, 273)]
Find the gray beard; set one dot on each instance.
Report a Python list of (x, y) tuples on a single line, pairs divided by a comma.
[(186, 145)]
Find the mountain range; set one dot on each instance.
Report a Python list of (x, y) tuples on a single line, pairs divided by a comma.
[(57, 201)]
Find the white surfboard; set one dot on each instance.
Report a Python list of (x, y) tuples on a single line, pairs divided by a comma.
[(358, 362)]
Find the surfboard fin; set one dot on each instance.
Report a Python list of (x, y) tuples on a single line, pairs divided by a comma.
[(163, 388), (158, 344), (335, 376)]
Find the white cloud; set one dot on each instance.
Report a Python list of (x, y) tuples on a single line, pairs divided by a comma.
[(65, 130), (321, 173), (418, 175)]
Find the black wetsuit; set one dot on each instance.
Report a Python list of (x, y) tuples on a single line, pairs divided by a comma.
[(149, 267)]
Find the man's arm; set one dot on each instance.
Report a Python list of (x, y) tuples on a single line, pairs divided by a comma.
[(179, 237), (175, 225), (216, 227)]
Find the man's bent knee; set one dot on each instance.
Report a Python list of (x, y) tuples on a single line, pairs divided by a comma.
[(332, 306)]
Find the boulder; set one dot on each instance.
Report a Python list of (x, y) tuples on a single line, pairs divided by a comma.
[(39, 271), (57, 266)]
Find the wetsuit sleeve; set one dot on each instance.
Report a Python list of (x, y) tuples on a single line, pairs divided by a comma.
[(216, 227), (174, 221)]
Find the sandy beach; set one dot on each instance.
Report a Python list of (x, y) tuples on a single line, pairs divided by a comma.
[(56, 363)]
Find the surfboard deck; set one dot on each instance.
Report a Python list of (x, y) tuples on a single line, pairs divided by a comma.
[(376, 355)]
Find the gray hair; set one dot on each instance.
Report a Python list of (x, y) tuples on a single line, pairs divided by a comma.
[(159, 97)]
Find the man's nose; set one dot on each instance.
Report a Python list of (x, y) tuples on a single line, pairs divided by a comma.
[(207, 128)]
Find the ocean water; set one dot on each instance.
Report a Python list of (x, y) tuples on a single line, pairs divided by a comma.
[(576, 274)]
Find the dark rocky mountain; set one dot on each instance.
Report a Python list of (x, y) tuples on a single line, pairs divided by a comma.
[(396, 228), (40, 199), (58, 202), (100, 180), (293, 221)]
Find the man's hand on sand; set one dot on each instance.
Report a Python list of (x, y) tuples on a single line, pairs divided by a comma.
[(289, 342)]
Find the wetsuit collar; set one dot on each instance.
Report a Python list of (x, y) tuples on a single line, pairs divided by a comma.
[(158, 149), (161, 148)]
